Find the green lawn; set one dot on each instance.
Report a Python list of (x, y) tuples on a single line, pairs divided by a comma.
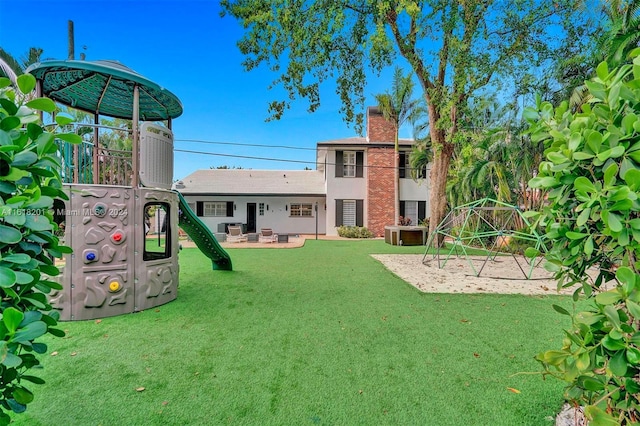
[(322, 335)]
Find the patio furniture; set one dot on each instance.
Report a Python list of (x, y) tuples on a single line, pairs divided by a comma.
[(267, 236), (235, 235)]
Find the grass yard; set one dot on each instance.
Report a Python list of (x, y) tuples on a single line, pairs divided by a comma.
[(320, 335)]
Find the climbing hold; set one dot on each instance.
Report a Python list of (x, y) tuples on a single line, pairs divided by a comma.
[(114, 286), (117, 237), (100, 210)]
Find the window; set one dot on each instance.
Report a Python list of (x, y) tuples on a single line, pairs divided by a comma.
[(411, 211), (414, 210), (406, 169), (157, 230), (261, 209), (349, 212), (349, 162), (215, 209), (301, 210)]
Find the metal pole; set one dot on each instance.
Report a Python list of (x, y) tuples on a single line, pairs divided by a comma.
[(316, 220), (96, 148), (134, 126), (70, 37)]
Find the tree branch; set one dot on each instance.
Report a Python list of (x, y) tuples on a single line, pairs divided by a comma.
[(447, 33), (407, 49), (532, 24), (356, 9)]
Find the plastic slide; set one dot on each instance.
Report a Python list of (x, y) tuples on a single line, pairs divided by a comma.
[(202, 236)]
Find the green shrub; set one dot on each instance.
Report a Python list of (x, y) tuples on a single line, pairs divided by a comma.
[(354, 232), (592, 175), (29, 184)]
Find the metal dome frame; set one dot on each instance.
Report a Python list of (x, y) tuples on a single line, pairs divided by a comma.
[(485, 224)]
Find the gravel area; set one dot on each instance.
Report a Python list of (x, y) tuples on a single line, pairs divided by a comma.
[(502, 276)]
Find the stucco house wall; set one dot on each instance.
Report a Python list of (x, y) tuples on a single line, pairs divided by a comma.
[(275, 213), (343, 188)]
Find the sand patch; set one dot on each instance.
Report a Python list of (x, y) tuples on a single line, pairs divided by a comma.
[(458, 277)]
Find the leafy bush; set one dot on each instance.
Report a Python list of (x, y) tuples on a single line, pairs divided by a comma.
[(354, 232), (592, 175), (29, 184)]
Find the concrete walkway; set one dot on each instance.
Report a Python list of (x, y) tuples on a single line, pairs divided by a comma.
[(294, 242)]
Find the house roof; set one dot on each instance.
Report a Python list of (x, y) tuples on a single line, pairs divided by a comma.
[(361, 141), (252, 182)]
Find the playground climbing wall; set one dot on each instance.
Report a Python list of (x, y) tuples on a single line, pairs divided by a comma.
[(110, 272), (157, 272)]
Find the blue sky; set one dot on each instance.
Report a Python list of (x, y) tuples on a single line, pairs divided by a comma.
[(186, 47)]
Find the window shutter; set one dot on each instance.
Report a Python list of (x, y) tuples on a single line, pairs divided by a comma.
[(200, 208), (229, 208), (402, 209), (359, 163), (339, 164), (338, 212), (402, 171), (422, 210), (359, 213)]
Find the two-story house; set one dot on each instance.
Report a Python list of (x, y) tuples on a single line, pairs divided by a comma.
[(352, 186)]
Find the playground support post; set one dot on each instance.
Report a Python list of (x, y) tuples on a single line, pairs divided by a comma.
[(96, 148), (135, 151)]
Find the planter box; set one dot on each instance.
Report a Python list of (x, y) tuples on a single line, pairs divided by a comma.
[(406, 235)]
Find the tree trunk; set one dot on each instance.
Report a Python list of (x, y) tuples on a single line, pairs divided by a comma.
[(437, 190), (442, 154)]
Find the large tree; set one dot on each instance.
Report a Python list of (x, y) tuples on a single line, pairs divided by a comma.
[(454, 47)]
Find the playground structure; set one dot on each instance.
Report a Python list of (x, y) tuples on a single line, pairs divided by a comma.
[(122, 218), (485, 224)]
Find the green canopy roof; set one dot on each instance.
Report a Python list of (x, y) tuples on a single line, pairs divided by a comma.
[(105, 88)]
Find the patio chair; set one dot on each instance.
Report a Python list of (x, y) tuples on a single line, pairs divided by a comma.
[(235, 235), (267, 236)]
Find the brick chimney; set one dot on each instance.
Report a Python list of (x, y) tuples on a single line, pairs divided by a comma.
[(381, 160), (378, 128)]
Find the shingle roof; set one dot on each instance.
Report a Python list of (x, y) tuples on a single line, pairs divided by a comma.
[(252, 182)]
